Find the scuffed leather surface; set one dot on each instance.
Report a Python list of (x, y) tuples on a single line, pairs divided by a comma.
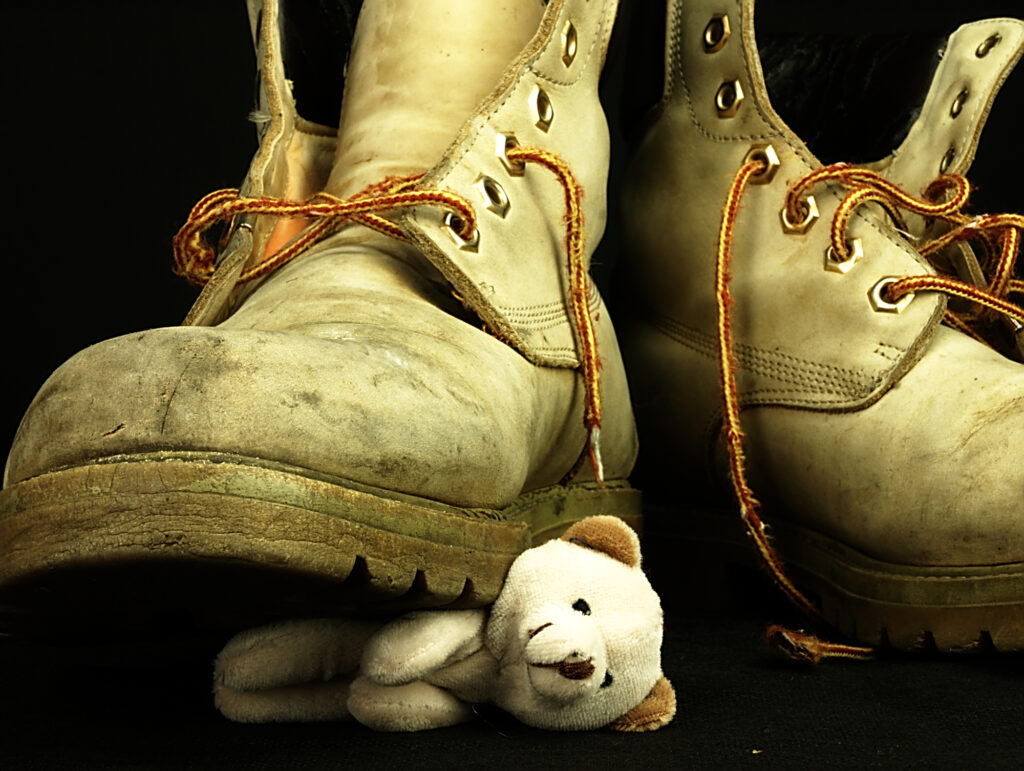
[(931, 474), (364, 377)]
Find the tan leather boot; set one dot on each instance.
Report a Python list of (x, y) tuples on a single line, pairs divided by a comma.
[(884, 446), (342, 431)]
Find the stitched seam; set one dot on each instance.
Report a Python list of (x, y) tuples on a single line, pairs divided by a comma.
[(774, 365), (770, 396), (538, 325), (889, 352), (679, 79), (584, 64), (554, 306), (707, 342), (543, 315)]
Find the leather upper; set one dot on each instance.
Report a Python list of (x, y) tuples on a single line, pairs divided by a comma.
[(675, 191), (887, 431)]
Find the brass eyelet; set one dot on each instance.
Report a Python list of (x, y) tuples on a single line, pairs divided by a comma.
[(716, 33), (569, 43), (810, 217), (728, 98), (835, 265), (504, 143), (988, 44), (542, 106), (876, 296), (494, 195), (947, 160), (765, 153), (453, 224), (958, 104)]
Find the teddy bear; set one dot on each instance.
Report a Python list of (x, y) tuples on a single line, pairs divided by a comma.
[(573, 642)]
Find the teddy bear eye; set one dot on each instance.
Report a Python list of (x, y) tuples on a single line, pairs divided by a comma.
[(607, 679), (581, 606)]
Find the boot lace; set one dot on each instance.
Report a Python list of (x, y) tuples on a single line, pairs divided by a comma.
[(944, 200), (195, 257), (997, 235)]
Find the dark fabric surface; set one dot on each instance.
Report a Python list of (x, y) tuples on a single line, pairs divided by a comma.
[(740, 706), (119, 118)]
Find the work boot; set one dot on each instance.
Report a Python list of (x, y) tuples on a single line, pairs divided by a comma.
[(388, 387), (788, 343)]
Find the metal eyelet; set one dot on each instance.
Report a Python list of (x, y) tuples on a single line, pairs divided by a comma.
[(494, 195), (835, 265), (542, 106), (988, 44), (728, 98), (453, 224), (810, 217), (716, 33), (958, 104), (765, 153), (876, 296), (504, 143), (569, 43), (947, 160)]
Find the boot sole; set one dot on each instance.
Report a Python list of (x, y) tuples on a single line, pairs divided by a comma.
[(885, 605), (180, 543), (908, 607)]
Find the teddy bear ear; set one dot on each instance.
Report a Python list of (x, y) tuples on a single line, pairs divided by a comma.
[(655, 711), (609, 535)]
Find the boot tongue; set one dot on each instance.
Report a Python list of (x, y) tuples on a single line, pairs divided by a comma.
[(417, 71)]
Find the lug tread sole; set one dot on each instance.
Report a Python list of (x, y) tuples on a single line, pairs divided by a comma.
[(134, 544), (908, 607), (901, 607)]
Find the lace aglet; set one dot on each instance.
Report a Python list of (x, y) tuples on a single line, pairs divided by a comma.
[(594, 450), (810, 649)]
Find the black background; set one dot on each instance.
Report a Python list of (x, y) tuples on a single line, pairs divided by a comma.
[(119, 115)]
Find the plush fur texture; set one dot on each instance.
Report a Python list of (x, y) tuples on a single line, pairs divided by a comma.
[(573, 642)]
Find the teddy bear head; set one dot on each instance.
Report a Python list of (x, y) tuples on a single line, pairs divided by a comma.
[(577, 632)]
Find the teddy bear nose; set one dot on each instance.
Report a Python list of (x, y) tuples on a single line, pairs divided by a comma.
[(576, 670), (571, 668)]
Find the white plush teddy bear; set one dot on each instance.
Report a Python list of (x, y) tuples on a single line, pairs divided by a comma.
[(573, 642)]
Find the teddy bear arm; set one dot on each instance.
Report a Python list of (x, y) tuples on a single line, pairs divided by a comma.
[(292, 653), (473, 678), (415, 706), (304, 702), (418, 644)]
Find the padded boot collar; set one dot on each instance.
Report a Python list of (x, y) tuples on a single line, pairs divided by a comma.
[(293, 161)]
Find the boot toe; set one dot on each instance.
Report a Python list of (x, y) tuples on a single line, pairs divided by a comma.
[(370, 406)]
